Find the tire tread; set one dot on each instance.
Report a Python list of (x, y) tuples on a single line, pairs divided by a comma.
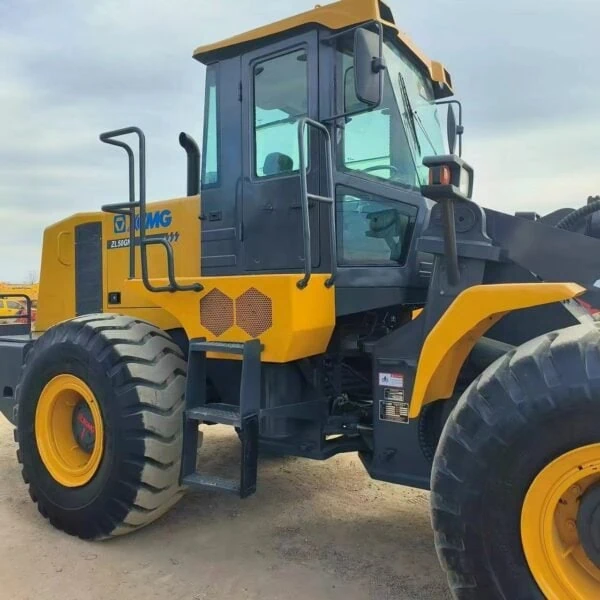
[(544, 377), (143, 363)]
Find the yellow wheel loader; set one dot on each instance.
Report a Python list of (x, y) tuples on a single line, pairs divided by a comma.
[(326, 285)]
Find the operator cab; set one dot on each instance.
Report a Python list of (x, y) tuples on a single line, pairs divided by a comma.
[(346, 66)]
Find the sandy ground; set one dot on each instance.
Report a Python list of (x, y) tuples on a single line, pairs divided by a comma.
[(314, 531)]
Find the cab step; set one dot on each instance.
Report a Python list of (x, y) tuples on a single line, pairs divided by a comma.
[(243, 417), (196, 481), (223, 414)]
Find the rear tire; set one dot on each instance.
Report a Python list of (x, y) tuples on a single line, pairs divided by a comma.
[(529, 408), (137, 375)]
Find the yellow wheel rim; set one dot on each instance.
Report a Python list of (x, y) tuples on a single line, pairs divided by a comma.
[(549, 532), (65, 408)]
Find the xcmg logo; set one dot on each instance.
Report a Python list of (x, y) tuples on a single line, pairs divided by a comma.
[(154, 220)]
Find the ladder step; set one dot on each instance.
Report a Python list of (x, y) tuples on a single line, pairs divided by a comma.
[(224, 414), (210, 483), (220, 347), (245, 416)]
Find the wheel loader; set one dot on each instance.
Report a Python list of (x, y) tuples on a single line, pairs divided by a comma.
[(327, 284)]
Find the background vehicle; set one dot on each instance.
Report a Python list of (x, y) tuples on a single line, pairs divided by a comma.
[(330, 214), (10, 308)]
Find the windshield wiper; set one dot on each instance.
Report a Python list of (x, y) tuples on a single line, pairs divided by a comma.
[(424, 130), (408, 109)]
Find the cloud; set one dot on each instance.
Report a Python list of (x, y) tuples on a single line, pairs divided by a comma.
[(513, 62), (72, 69), (539, 169)]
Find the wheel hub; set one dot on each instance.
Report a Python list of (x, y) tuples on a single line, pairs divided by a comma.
[(69, 431), (84, 429), (588, 523), (560, 526)]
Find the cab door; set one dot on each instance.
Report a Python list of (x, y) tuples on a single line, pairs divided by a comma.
[(281, 87)]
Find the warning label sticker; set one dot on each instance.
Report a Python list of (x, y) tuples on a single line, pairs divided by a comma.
[(393, 395), (395, 380)]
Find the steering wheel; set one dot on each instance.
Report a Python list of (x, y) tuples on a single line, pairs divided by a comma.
[(391, 168)]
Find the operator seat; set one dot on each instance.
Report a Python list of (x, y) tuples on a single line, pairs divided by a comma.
[(277, 163)]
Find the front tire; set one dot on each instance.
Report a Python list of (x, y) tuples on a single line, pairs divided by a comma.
[(99, 428), (518, 459)]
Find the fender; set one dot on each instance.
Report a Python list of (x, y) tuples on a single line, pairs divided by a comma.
[(473, 312)]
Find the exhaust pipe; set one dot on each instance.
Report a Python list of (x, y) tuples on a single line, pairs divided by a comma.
[(188, 143)]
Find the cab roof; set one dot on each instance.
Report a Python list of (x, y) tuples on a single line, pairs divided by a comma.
[(336, 16)]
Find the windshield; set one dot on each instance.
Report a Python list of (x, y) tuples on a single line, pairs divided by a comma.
[(390, 142)]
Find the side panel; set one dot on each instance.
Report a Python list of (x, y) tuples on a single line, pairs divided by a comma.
[(56, 300), (75, 251), (88, 268), (178, 221), (291, 323)]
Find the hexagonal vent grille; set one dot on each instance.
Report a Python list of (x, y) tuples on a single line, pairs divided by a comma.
[(254, 312), (216, 312)]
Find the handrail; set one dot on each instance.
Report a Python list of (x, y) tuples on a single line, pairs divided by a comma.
[(305, 196), (128, 209)]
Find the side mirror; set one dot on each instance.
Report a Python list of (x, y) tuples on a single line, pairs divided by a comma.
[(455, 128), (452, 130), (368, 66)]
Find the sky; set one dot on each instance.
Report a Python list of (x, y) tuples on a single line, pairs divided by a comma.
[(525, 70)]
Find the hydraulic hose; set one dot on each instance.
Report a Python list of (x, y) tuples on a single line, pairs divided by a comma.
[(574, 219)]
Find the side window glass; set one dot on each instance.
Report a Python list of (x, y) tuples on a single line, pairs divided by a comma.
[(14, 305), (372, 230), (280, 100), (210, 154)]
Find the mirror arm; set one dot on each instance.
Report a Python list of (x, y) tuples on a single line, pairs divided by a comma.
[(379, 65)]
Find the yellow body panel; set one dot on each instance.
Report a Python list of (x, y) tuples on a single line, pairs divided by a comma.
[(180, 223), (291, 323), (57, 275), (301, 321), (177, 219), (335, 16), (468, 318)]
